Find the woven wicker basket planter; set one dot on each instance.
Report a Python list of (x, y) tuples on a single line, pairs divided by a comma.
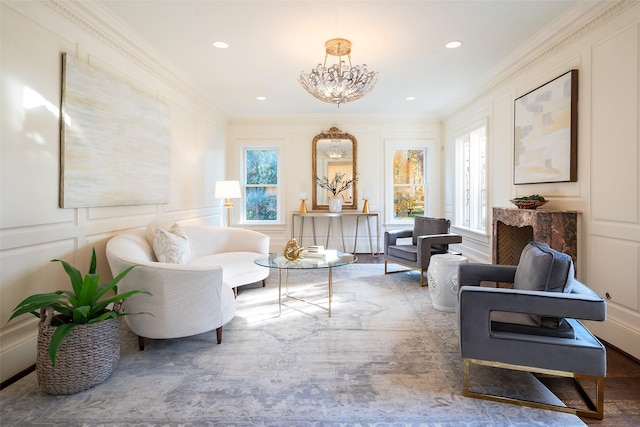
[(87, 356)]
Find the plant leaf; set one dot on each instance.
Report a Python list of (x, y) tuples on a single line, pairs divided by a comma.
[(92, 267), (56, 339), (135, 314), (104, 316), (36, 302), (112, 284), (74, 275), (87, 294), (81, 314), (119, 297), (64, 309), (127, 294)]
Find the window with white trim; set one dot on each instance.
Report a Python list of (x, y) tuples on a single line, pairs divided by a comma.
[(471, 179), (260, 183), (406, 182)]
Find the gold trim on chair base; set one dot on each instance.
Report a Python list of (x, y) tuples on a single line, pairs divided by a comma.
[(409, 268), (596, 410)]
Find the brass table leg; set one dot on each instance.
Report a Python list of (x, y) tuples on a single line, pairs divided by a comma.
[(330, 289)]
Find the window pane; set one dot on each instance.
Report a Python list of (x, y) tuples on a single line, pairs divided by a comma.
[(471, 170), (408, 166), (408, 201), (261, 203), (262, 167), (261, 185), (408, 183)]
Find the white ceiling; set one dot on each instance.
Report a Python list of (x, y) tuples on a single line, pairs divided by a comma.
[(272, 41)]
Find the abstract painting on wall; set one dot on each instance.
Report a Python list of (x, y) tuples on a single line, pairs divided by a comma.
[(115, 141), (545, 132)]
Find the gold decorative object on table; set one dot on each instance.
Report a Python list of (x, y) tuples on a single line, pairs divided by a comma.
[(292, 251), (365, 206), (303, 206)]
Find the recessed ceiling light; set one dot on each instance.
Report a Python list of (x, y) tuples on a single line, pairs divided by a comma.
[(220, 45), (454, 44), (410, 98), (261, 98)]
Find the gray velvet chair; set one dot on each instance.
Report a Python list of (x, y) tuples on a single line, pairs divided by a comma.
[(429, 236), (533, 326)]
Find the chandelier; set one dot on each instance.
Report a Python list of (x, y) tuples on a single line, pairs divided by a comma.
[(335, 151), (340, 82)]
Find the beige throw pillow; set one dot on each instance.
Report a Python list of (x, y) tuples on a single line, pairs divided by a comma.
[(170, 245)]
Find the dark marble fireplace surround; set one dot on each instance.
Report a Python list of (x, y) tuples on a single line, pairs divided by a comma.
[(513, 228)]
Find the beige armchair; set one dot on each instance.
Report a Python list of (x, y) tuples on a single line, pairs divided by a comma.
[(429, 236)]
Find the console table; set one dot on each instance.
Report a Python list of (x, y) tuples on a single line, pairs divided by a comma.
[(337, 215)]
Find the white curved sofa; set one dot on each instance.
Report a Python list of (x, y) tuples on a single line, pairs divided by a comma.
[(187, 299)]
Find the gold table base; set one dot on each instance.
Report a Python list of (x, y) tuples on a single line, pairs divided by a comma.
[(287, 296)]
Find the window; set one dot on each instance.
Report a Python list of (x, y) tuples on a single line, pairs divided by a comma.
[(408, 182), (261, 180), (471, 179)]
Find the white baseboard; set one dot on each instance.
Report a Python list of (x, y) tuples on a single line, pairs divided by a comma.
[(617, 334)]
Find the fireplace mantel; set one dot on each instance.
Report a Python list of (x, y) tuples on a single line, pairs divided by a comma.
[(513, 228)]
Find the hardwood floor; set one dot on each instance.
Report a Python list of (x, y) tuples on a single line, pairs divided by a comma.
[(621, 391), (621, 386)]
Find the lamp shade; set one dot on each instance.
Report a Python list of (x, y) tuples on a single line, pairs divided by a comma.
[(228, 190)]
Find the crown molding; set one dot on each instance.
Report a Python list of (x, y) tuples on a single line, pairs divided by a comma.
[(582, 19), (351, 119), (95, 20)]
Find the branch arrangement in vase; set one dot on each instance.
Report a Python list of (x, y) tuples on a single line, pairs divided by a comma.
[(337, 185)]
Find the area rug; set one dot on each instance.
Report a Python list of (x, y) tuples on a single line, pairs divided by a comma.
[(385, 357)]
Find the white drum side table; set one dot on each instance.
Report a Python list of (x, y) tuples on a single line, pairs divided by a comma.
[(442, 276)]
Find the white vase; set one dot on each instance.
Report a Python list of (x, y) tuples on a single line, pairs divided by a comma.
[(335, 204)]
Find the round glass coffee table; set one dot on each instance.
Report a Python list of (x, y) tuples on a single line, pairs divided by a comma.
[(281, 263)]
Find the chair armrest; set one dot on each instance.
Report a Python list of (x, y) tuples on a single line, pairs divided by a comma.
[(149, 275), (391, 237), (244, 240), (473, 274), (207, 240), (425, 242), (476, 304), (185, 300)]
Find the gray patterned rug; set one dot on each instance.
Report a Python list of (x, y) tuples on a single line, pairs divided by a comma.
[(384, 358)]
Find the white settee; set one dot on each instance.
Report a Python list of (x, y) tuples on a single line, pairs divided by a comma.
[(189, 298)]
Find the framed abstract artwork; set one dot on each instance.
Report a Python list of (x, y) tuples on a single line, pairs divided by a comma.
[(545, 132), (115, 141)]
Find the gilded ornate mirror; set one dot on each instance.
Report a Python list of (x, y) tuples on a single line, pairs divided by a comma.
[(334, 155)]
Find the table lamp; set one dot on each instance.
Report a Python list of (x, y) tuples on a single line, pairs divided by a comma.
[(228, 190)]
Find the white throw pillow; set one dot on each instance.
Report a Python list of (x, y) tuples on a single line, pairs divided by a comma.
[(171, 245)]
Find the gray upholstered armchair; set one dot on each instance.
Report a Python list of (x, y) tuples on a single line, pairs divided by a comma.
[(533, 326), (429, 236)]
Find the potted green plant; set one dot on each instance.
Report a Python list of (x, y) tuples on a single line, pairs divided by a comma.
[(79, 330)]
